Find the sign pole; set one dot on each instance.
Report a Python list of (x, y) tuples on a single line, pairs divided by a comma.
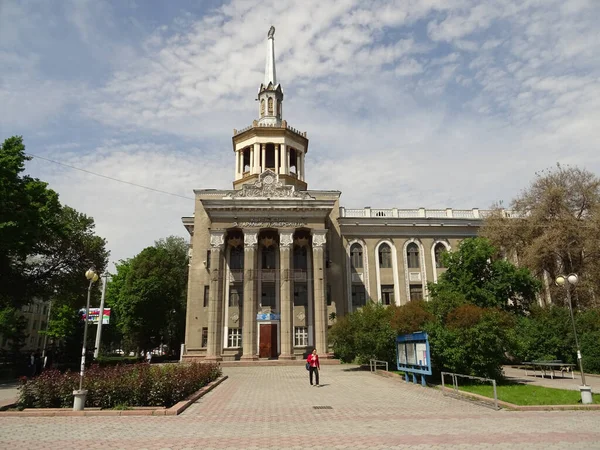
[(100, 317)]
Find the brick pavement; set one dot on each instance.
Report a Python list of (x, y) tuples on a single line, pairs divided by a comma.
[(272, 407)]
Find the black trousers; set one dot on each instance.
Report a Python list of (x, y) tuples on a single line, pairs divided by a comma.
[(316, 372)]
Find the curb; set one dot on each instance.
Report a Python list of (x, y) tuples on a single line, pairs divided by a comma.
[(501, 403), (174, 410)]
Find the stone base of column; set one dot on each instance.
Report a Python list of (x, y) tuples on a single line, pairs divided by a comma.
[(287, 357), (212, 358), (327, 356), (249, 358)]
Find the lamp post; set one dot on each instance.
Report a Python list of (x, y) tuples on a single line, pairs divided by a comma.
[(80, 394), (566, 282)]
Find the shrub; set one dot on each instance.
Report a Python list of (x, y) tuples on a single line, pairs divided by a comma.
[(119, 386), (411, 317), (473, 343), (365, 334)]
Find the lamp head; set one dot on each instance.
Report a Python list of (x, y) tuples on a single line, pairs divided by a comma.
[(572, 278), (91, 275), (560, 280)]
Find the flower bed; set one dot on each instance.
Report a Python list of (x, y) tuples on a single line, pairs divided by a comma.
[(119, 386)]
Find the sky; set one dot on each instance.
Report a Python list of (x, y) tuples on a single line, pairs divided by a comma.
[(407, 104)]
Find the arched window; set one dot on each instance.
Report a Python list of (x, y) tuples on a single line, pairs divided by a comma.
[(236, 258), (438, 250), (356, 256), (270, 106), (412, 256), (262, 107), (385, 256)]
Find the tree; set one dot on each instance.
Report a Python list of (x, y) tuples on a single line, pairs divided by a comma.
[(148, 295), (477, 275), (45, 247), (555, 229)]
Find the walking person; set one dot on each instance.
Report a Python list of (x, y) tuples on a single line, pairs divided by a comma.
[(314, 366)]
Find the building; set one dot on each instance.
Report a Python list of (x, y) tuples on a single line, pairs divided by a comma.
[(272, 263), (36, 315)]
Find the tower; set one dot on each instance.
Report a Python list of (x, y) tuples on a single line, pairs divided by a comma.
[(270, 143)]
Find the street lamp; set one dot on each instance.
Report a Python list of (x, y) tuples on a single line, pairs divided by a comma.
[(80, 395), (566, 282)]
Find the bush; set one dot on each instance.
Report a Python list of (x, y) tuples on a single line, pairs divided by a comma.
[(588, 331), (473, 342), (119, 386), (365, 334), (105, 361), (411, 317)]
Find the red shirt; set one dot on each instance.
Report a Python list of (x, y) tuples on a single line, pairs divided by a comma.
[(313, 360)]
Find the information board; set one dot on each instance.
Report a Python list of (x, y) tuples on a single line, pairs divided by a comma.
[(412, 352)]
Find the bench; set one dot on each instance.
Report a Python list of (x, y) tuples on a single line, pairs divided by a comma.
[(549, 367)]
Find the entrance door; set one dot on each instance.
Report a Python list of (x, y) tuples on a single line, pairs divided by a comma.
[(267, 347)]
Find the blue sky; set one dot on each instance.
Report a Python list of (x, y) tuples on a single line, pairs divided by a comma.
[(414, 103)]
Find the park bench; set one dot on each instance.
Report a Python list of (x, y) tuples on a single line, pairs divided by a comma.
[(549, 367)]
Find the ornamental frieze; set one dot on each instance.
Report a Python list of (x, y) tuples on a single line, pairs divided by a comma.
[(269, 186)]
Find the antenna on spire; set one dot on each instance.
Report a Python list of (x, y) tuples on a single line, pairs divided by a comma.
[(270, 76)]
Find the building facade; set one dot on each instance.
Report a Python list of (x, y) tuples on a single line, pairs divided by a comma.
[(273, 263)]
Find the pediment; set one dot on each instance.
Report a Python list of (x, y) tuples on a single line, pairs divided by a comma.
[(269, 186)]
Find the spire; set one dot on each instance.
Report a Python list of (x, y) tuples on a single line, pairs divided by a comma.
[(270, 76)]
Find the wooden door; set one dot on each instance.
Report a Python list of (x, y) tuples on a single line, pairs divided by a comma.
[(267, 347)]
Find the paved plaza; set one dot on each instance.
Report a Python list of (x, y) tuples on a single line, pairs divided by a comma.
[(274, 407)]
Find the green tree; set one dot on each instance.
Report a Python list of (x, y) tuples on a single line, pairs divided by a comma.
[(148, 296), (477, 275), (45, 248), (555, 229)]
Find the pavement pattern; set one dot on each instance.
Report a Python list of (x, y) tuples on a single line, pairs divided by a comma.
[(274, 407)]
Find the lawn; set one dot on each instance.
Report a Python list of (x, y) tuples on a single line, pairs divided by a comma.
[(523, 394)]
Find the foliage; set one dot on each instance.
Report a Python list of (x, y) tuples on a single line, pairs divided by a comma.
[(555, 229), (472, 342), (411, 317), (105, 361), (546, 334), (148, 296), (588, 331), (475, 274), (119, 386), (365, 334), (45, 247), (12, 328)]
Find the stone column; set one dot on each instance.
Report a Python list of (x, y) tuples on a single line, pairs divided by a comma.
[(263, 163), (256, 159), (320, 298), (217, 242), (237, 165), (283, 159), (249, 328), (287, 306), (277, 158)]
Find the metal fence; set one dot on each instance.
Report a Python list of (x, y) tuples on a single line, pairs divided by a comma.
[(374, 363), (455, 376)]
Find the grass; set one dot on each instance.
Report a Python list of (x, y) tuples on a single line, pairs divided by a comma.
[(523, 394)]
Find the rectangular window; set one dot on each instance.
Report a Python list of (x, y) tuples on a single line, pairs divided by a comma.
[(40, 341), (300, 294), (207, 259), (416, 292), (268, 295), (206, 295), (204, 337), (387, 294), (358, 295), (328, 295), (300, 337), (235, 337), (236, 294)]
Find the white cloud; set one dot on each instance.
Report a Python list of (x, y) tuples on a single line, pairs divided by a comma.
[(434, 103)]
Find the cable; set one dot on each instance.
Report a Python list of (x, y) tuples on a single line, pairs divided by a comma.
[(109, 178)]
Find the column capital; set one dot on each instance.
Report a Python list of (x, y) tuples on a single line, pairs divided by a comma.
[(286, 239), (319, 238), (217, 239), (250, 238)]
